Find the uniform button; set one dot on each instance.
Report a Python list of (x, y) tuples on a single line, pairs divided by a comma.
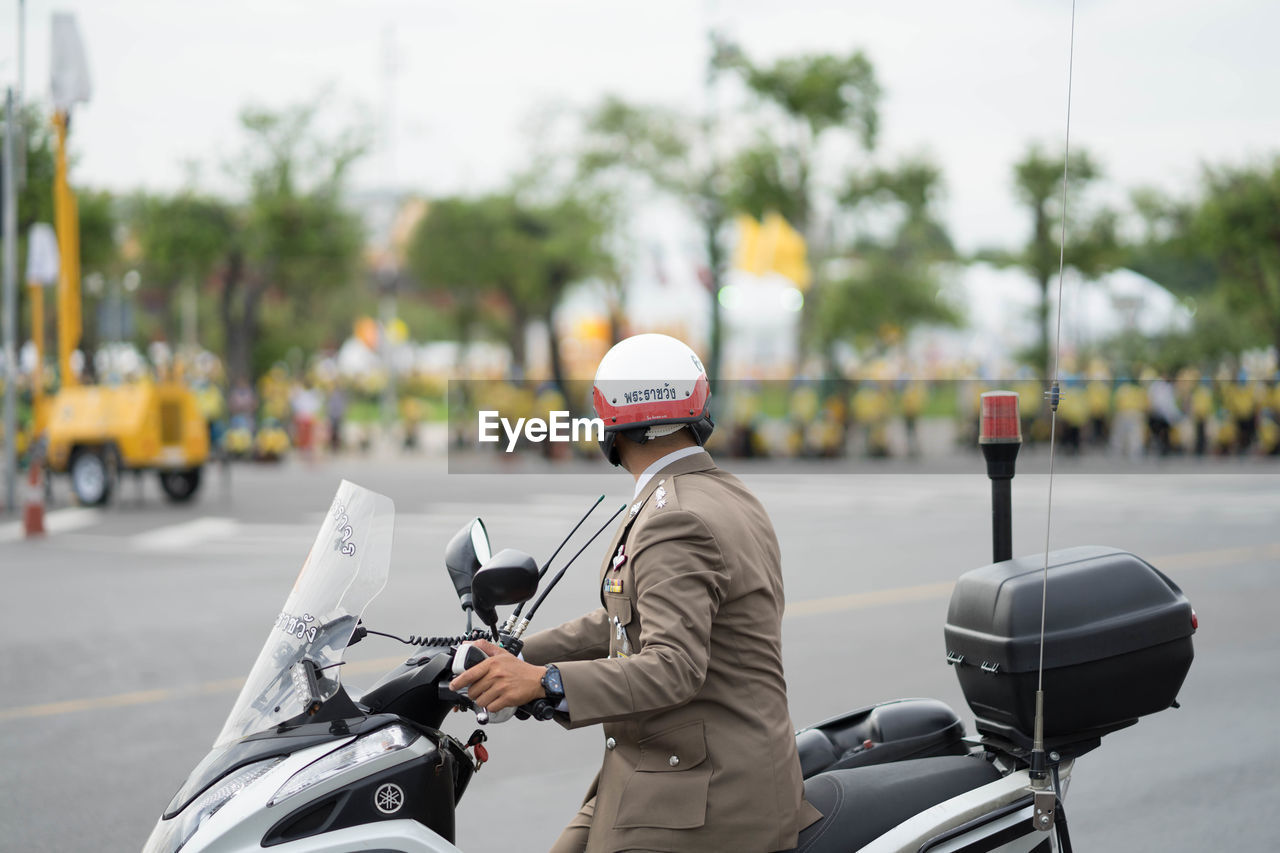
[(610, 743), (673, 760)]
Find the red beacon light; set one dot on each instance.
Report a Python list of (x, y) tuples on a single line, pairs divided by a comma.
[(1000, 423), (1000, 437)]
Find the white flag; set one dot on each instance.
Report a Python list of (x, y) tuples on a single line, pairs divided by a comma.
[(42, 254), (69, 71)]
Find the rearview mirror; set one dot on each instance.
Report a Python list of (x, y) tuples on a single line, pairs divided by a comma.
[(466, 552), (509, 577)]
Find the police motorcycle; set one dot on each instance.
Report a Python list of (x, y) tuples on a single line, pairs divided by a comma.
[(302, 765)]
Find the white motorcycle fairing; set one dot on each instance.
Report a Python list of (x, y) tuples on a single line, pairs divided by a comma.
[(249, 816), (972, 807)]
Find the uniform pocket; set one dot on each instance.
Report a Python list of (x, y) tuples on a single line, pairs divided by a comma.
[(668, 789), (618, 606), (619, 609)]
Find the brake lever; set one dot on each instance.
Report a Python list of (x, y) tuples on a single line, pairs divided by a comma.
[(460, 699), (465, 657)]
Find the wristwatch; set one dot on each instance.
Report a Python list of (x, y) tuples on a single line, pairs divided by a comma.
[(552, 685)]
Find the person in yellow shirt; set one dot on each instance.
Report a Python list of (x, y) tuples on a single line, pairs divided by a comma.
[(1128, 432), (1098, 398), (871, 410), (1241, 399), (1269, 422), (913, 399), (1073, 409), (1201, 412), (1162, 414)]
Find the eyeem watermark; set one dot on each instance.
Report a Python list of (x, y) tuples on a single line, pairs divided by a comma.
[(559, 426)]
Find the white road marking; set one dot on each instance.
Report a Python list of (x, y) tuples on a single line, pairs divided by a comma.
[(55, 521), (175, 537)]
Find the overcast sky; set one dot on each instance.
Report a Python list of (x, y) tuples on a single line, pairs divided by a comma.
[(1160, 87)]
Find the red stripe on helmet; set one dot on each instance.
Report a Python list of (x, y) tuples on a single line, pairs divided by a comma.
[(689, 409)]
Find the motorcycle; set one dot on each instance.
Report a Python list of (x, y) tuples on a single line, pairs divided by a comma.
[(301, 765)]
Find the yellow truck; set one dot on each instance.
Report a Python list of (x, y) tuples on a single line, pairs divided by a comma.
[(96, 432)]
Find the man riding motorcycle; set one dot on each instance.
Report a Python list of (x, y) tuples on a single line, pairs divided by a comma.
[(682, 664)]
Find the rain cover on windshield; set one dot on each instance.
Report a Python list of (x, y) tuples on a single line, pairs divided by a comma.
[(348, 565)]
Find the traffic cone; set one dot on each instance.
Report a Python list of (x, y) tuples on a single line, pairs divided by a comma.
[(33, 502)]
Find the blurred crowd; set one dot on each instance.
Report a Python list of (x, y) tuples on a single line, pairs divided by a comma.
[(1148, 416), (313, 408), (1155, 415), (309, 414)]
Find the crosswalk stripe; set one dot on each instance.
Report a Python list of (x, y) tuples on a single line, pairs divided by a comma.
[(185, 534)]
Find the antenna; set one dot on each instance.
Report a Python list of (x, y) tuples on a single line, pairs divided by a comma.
[(511, 620), (524, 623), (1045, 798)]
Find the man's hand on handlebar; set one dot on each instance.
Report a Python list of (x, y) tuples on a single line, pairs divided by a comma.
[(501, 681)]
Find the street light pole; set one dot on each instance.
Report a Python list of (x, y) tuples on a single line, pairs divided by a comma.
[(10, 304)]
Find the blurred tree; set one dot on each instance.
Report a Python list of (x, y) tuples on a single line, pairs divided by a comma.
[(906, 197), (298, 243), (183, 239), (894, 280), (1165, 251), (1236, 225), (814, 95), (669, 151), (97, 209), (528, 248), (1092, 244), (35, 197), (99, 232), (568, 244), (468, 249), (99, 252)]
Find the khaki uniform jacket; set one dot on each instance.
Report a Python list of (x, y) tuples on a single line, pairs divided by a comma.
[(683, 666)]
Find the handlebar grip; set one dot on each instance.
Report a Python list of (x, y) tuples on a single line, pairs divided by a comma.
[(541, 709)]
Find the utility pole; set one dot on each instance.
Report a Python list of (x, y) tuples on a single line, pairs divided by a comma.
[(21, 164), (22, 51), (10, 303), (387, 277)]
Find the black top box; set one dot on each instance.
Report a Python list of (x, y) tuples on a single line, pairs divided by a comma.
[(1117, 643)]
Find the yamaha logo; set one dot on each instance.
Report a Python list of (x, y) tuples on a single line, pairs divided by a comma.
[(388, 798)]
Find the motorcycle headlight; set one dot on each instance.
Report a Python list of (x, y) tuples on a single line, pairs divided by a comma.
[(363, 749), (170, 835)]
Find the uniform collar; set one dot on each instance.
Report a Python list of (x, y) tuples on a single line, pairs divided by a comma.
[(663, 462)]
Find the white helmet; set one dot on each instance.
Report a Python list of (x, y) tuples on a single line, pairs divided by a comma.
[(648, 386)]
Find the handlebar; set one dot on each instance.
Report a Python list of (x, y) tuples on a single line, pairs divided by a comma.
[(466, 656)]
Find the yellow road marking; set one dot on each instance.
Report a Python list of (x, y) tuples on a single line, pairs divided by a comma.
[(1216, 558), (831, 604), (863, 600), (144, 697)]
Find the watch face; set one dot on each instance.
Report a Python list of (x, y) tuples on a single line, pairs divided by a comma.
[(551, 681)]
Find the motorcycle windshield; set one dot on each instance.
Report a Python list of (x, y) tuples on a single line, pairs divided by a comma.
[(348, 565)]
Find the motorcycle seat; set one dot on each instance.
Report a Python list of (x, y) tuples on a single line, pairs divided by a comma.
[(860, 804), (897, 731)]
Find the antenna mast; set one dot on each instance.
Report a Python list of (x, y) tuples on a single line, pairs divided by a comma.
[(1045, 797)]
